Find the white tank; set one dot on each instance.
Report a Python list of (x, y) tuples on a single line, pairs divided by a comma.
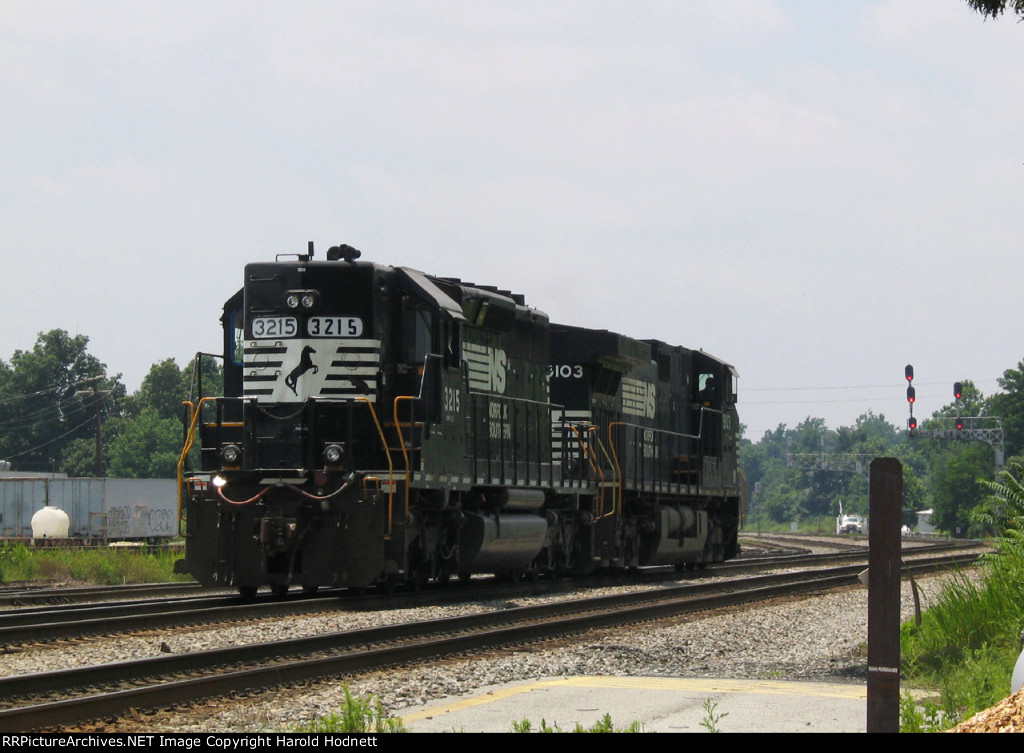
[(1017, 681), (50, 523)]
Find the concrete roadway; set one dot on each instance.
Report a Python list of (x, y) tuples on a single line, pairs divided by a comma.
[(660, 704)]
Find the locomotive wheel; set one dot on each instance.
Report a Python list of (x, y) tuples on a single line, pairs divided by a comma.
[(310, 590), (248, 592), (279, 589)]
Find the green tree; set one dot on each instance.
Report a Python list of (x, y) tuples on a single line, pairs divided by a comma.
[(147, 442), (162, 391), (1008, 405), (805, 472), (50, 396), (870, 435), (78, 458), (993, 8), (145, 446), (955, 488)]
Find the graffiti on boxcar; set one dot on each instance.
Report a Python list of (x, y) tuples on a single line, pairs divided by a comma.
[(128, 522)]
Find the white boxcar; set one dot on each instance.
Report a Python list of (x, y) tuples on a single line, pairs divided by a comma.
[(112, 509)]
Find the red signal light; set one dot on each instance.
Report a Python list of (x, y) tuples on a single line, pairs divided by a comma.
[(958, 390), (912, 423), (959, 423), (911, 395), (910, 373)]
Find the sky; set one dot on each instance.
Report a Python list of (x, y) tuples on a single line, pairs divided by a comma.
[(817, 192)]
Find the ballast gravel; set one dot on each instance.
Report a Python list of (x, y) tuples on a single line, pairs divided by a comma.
[(819, 637)]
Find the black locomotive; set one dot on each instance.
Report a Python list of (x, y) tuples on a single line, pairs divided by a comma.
[(383, 426)]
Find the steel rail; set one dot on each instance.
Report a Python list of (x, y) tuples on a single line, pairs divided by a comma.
[(69, 596)]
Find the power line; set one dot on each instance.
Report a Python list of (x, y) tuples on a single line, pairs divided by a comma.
[(44, 416), (893, 386), (50, 441), (14, 398), (57, 388)]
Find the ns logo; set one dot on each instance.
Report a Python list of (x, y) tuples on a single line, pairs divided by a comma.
[(497, 363), (487, 367)]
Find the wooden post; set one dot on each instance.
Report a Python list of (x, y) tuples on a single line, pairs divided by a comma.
[(886, 502)]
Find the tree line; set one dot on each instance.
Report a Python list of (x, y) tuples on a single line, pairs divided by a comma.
[(805, 473), (62, 412)]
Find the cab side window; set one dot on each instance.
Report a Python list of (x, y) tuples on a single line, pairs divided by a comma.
[(418, 328), (708, 389)]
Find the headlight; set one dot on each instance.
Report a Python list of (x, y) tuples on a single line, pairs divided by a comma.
[(333, 453), (305, 299), (231, 454)]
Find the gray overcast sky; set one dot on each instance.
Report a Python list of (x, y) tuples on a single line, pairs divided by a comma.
[(818, 192)]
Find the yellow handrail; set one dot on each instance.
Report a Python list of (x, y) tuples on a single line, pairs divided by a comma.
[(190, 439), (401, 444), (588, 452), (387, 453), (616, 499)]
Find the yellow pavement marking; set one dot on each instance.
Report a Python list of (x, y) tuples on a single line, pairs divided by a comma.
[(704, 685)]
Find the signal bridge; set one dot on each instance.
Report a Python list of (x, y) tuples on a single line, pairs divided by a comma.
[(987, 429)]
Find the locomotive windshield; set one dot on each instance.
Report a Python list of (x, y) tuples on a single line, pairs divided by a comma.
[(237, 350)]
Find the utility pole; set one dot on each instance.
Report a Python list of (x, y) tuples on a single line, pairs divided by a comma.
[(96, 393)]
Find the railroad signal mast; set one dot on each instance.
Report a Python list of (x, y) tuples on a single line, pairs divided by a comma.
[(911, 398), (987, 429)]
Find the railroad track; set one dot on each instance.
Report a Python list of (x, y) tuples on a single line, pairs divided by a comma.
[(87, 692), (23, 594), (41, 624)]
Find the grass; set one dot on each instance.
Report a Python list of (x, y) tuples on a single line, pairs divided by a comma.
[(711, 716), (967, 643), (367, 715), (357, 715), (602, 725), (101, 566)]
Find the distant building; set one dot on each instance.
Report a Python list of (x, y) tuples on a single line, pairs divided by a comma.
[(924, 521)]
